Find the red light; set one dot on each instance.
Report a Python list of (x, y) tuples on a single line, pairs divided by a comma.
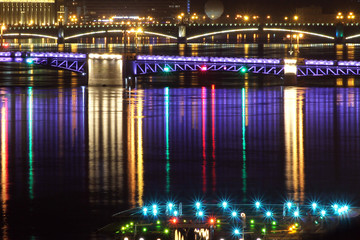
[(5, 45), (174, 220), (212, 220), (203, 68)]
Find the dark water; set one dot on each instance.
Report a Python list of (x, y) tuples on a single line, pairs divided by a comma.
[(73, 155)]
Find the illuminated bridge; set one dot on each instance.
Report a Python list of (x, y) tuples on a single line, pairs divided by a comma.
[(328, 32), (152, 64)]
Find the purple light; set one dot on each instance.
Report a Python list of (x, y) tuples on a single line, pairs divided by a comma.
[(18, 54), (172, 58), (245, 60), (319, 62), (4, 59), (348, 63), (5, 54)]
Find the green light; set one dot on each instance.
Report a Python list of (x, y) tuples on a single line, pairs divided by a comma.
[(243, 69), (296, 224), (122, 228), (158, 222), (131, 223), (166, 69), (252, 221), (218, 221), (144, 229), (166, 231), (127, 225), (263, 230), (117, 232), (273, 223)]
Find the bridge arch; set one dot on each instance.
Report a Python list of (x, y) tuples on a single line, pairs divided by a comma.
[(117, 31), (223, 32), (28, 35), (299, 31), (353, 36)]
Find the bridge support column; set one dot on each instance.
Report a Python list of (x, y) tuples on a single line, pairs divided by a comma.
[(61, 35), (339, 34), (290, 72), (261, 40), (182, 34), (105, 72)]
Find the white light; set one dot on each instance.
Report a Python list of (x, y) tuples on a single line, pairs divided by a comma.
[(198, 204), (298, 31), (170, 205), (314, 205), (268, 214), (176, 213), (125, 238), (257, 204), (323, 212), (220, 32), (200, 213), (154, 206), (237, 231), (224, 204), (141, 238), (289, 204), (234, 214), (296, 213), (155, 211)]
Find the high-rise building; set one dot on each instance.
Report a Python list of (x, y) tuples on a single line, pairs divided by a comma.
[(27, 12)]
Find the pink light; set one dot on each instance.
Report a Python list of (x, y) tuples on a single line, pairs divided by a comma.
[(203, 68)]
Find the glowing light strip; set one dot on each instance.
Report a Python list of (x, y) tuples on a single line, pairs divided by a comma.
[(84, 34), (159, 34), (105, 56), (221, 32), (353, 36), (29, 34), (243, 127), (27, 1), (298, 31)]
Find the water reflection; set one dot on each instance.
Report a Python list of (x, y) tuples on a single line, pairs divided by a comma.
[(294, 143), (4, 166), (114, 148)]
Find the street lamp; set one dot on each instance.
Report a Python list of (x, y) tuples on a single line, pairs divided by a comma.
[(3, 28), (297, 37)]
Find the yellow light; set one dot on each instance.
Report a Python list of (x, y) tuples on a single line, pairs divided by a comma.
[(296, 17), (351, 13), (301, 35), (339, 13), (139, 30), (3, 27), (288, 36), (182, 14), (246, 18), (294, 36), (268, 17), (286, 18)]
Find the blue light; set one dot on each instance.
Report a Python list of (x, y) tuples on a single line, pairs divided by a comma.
[(323, 213), (234, 214), (166, 69), (314, 205), (176, 213), (296, 213), (200, 213), (268, 214), (224, 204), (289, 204), (154, 206), (197, 204), (236, 231), (170, 205), (145, 210), (257, 204), (155, 212)]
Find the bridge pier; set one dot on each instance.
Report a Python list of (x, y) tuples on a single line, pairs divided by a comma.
[(105, 72), (61, 35), (339, 34), (290, 72), (181, 34)]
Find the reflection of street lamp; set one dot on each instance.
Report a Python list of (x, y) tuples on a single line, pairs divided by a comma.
[(3, 28)]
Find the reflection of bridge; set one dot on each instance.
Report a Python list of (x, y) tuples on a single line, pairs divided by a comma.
[(188, 32), (152, 64)]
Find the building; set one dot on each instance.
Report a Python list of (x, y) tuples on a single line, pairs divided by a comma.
[(27, 12)]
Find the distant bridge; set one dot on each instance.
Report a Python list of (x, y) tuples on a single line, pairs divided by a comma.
[(329, 32)]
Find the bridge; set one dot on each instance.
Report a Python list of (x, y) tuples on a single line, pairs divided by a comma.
[(113, 64), (181, 33)]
